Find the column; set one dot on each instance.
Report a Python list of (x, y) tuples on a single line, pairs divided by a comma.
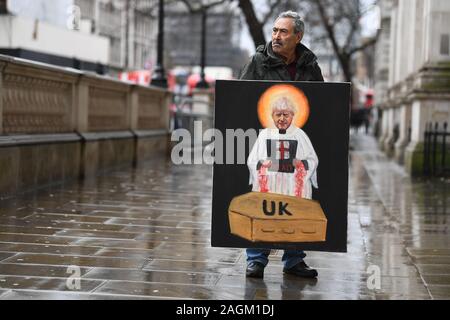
[(123, 37), (97, 16), (387, 115), (2, 66), (383, 129), (81, 110), (132, 37), (414, 151), (403, 140), (133, 108), (388, 142)]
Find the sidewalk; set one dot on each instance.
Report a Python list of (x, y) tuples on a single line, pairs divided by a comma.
[(144, 234)]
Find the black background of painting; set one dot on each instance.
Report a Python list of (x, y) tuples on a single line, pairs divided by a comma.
[(328, 130)]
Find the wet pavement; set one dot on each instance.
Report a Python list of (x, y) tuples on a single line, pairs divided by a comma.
[(145, 234)]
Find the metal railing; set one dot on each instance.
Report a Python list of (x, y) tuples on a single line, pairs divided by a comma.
[(185, 117), (436, 150)]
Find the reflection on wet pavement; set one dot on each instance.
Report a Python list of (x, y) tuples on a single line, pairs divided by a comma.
[(144, 234)]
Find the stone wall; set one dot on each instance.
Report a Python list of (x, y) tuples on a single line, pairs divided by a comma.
[(419, 78), (58, 124)]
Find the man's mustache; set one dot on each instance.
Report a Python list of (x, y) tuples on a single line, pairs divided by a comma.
[(278, 42)]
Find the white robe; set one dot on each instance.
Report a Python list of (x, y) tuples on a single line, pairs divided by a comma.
[(282, 182)]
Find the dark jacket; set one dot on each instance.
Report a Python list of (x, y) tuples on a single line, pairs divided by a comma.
[(265, 65)]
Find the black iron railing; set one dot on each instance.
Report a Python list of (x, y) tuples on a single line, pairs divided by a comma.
[(436, 150)]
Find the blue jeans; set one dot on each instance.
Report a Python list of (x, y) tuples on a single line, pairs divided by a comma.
[(290, 257)]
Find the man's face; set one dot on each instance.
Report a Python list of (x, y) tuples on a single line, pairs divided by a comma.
[(284, 39), (282, 119)]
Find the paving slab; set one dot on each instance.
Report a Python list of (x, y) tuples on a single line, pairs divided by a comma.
[(144, 233)]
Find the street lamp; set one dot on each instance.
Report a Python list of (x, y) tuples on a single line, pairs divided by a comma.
[(159, 77), (202, 84)]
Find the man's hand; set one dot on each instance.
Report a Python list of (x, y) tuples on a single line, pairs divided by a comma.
[(267, 164)]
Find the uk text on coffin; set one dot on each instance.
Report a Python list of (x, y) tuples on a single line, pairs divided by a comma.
[(268, 217)]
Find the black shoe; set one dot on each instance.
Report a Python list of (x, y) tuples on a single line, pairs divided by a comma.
[(301, 270), (255, 270)]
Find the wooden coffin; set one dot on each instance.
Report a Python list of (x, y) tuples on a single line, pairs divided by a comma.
[(269, 217)]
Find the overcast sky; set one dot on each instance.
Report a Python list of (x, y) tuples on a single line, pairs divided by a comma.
[(52, 11)]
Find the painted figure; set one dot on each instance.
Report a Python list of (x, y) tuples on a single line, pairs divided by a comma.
[(283, 159)]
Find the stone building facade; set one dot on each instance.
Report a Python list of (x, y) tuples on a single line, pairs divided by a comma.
[(223, 31), (104, 36), (131, 27), (413, 88)]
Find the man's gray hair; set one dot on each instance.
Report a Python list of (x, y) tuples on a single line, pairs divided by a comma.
[(283, 104), (299, 25)]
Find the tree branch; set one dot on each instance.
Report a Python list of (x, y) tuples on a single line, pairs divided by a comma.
[(354, 27), (365, 45), (213, 4), (343, 57), (328, 27), (202, 7), (272, 7), (255, 27), (189, 6)]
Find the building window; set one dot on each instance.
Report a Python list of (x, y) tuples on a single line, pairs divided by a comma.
[(445, 44)]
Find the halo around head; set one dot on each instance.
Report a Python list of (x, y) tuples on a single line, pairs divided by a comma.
[(273, 95)]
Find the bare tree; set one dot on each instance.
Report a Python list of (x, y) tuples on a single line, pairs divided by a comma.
[(195, 6), (333, 23), (255, 24), (3, 7), (255, 19), (202, 7), (336, 22), (340, 20)]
